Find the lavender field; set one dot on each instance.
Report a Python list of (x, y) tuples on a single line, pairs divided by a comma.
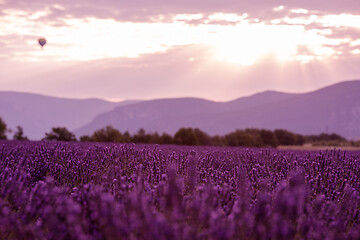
[(52, 190)]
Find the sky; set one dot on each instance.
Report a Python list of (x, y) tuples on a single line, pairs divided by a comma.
[(148, 49)]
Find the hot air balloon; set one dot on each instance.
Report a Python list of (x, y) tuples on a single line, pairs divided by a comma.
[(42, 42)]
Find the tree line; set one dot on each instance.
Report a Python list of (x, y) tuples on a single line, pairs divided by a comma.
[(18, 135), (250, 137)]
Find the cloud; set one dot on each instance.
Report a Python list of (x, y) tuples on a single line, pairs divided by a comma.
[(318, 15), (167, 49), (145, 10)]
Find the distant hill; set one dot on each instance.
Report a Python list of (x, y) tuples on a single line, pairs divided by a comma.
[(334, 109), (37, 114), (168, 115)]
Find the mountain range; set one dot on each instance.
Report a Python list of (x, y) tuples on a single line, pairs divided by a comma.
[(37, 114), (335, 108)]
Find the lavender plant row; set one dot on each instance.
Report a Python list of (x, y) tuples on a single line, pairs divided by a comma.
[(125, 191)]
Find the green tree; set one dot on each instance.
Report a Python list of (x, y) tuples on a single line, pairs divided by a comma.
[(166, 139), (202, 137), (60, 134), (255, 134), (285, 137), (19, 134), (154, 138), (240, 138), (107, 134), (218, 141), (126, 137), (268, 138), (325, 137), (2, 129), (299, 139), (186, 136), (141, 137), (85, 138)]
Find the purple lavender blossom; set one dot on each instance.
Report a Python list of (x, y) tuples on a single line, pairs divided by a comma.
[(126, 191)]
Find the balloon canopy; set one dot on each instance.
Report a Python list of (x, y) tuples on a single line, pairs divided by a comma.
[(42, 41)]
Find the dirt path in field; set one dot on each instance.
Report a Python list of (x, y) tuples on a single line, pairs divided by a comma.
[(309, 147)]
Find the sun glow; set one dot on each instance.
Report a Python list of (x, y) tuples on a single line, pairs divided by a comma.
[(251, 43)]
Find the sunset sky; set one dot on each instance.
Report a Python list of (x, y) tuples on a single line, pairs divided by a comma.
[(145, 49)]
